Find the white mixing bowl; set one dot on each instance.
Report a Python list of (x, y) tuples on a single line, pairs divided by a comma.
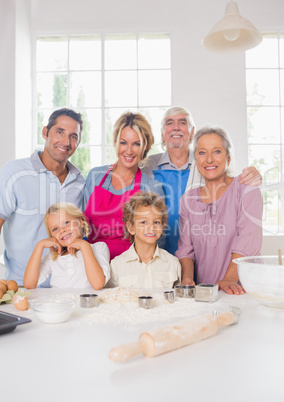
[(262, 278), (53, 310)]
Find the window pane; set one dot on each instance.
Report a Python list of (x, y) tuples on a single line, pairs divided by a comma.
[(92, 128), (85, 89), (266, 158), (262, 87), (81, 159), (264, 125), (154, 52), (121, 88), (271, 220), (154, 116), (282, 129), (52, 53), (96, 156), (120, 52), (154, 88), (264, 55), (110, 155), (85, 53), (52, 90), (42, 120), (281, 45), (282, 88)]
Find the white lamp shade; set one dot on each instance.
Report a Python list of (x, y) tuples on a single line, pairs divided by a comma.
[(233, 33)]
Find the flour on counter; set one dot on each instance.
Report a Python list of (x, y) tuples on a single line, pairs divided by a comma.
[(120, 307)]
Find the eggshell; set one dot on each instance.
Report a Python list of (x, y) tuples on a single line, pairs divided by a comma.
[(3, 287), (3, 280), (12, 285), (21, 302)]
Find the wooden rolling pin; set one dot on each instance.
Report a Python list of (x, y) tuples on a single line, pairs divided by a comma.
[(165, 339)]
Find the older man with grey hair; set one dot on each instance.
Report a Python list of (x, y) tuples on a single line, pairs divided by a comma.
[(176, 169)]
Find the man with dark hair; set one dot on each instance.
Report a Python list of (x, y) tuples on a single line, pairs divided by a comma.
[(30, 185), (64, 112)]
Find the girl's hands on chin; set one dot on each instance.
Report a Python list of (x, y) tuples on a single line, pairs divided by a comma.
[(51, 243), (77, 244), (231, 287)]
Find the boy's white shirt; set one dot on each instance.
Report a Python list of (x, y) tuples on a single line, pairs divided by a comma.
[(162, 271)]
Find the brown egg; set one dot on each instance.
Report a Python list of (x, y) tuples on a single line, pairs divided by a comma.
[(12, 285), (3, 287), (1, 294), (3, 280), (21, 302)]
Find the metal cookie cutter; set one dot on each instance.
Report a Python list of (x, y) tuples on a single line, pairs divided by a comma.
[(206, 292), (145, 301), (170, 296), (89, 300), (185, 291)]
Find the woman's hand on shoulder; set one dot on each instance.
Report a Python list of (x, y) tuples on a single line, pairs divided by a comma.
[(230, 287), (250, 176)]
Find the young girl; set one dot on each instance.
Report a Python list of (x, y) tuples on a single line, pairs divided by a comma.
[(145, 265), (73, 262)]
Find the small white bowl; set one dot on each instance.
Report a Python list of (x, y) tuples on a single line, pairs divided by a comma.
[(53, 311)]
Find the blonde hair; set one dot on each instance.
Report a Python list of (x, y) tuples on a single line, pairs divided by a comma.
[(71, 210), (138, 123), (142, 199)]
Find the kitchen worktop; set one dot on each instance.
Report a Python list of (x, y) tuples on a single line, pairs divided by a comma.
[(69, 361)]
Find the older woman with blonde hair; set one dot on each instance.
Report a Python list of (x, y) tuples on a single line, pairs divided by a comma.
[(107, 188), (219, 221)]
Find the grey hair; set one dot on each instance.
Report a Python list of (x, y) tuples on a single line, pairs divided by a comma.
[(227, 142), (173, 111)]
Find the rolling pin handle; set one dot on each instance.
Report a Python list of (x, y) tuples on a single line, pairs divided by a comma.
[(122, 353)]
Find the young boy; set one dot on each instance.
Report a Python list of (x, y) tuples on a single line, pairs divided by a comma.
[(144, 264)]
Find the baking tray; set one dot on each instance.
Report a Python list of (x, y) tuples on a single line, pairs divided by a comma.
[(8, 322)]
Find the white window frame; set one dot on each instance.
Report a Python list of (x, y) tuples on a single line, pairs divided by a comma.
[(103, 107)]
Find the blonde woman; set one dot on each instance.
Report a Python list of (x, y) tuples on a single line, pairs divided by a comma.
[(72, 261), (107, 188)]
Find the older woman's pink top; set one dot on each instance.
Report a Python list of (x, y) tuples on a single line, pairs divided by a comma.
[(210, 233)]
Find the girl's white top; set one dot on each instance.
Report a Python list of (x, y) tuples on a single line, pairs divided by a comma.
[(68, 271)]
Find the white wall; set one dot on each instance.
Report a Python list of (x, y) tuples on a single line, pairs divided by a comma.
[(23, 79), (15, 79), (7, 80)]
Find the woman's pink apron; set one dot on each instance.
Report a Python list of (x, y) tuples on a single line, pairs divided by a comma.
[(104, 214)]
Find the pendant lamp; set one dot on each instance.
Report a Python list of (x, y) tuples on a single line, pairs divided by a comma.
[(233, 33)]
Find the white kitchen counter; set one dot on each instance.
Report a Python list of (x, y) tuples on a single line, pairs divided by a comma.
[(69, 361)]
